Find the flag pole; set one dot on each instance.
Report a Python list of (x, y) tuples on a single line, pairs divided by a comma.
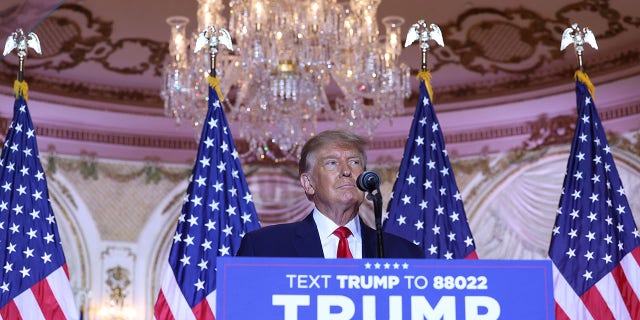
[(425, 196), (594, 242), (21, 41), (217, 214), (423, 32), (574, 34), (30, 294), (212, 37), (579, 36)]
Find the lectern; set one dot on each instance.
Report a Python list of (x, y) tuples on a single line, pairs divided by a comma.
[(313, 288)]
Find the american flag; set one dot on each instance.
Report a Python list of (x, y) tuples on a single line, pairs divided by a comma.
[(595, 244), (35, 280), (426, 206), (218, 210)]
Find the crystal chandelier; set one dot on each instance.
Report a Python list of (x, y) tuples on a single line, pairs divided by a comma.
[(288, 58)]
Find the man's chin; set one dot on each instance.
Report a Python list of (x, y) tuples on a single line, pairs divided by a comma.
[(354, 199)]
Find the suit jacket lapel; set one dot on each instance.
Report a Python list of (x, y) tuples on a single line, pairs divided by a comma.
[(307, 242), (369, 241)]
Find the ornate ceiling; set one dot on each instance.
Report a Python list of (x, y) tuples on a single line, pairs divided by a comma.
[(108, 56)]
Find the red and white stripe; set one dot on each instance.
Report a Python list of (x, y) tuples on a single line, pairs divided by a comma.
[(51, 298), (172, 305), (616, 296)]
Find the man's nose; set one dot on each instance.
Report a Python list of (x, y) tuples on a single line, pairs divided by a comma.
[(346, 171)]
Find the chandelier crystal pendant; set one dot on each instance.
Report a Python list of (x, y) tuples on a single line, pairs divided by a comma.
[(289, 57)]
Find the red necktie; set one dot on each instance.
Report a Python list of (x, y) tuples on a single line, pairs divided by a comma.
[(343, 245)]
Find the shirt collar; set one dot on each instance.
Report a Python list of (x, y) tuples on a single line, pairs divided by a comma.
[(326, 226)]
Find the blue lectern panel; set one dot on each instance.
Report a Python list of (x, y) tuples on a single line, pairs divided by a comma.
[(370, 289)]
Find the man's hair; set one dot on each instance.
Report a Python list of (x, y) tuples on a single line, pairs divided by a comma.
[(336, 137)]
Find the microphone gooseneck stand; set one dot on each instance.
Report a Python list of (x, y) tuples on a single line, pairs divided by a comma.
[(376, 198)]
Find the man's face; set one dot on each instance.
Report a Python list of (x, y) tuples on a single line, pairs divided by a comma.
[(332, 180)]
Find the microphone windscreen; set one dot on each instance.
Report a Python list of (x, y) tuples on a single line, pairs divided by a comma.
[(368, 181)]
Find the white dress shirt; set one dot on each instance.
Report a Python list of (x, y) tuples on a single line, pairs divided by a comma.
[(329, 241)]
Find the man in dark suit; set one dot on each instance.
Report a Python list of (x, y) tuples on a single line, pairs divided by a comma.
[(329, 164)]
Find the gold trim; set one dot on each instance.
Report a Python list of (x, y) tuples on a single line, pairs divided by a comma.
[(78, 36)]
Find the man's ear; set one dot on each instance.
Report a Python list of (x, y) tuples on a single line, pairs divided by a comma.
[(307, 185)]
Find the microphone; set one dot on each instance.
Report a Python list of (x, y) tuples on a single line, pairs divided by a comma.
[(368, 181)]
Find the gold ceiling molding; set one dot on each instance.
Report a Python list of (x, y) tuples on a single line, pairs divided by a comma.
[(73, 36), (515, 158), (520, 41), (633, 145), (518, 44), (63, 190), (485, 40), (121, 139), (560, 129), (522, 46), (545, 131), (558, 77), (88, 92), (542, 132), (91, 168), (62, 209)]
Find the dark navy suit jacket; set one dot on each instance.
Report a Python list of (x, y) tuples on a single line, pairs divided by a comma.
[(301, 239)]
